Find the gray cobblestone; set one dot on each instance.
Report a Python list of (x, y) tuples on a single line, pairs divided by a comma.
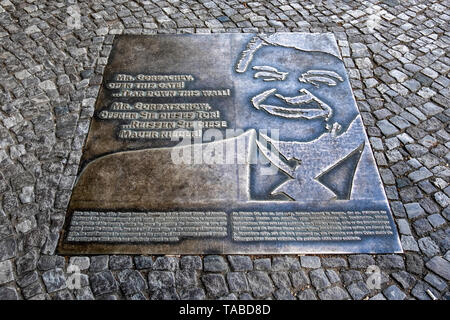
[(333, 276), (394, 293), (131, 282), (428, 247), (390, 262), (192, 294), (283, 294), (46, 262), (103, 283), (6, 272), (240, 263), (84, 294), (166, 263), (120, 262), (54, 280), (186, 278), (82, 263), (310, 262), (285, 264), (318, 279), (299, 279), (437, 282), (358, 290), (360, 261), (8, 293), (405, 279), (350, 276), (143, 262), (378, 297), (215, 284), (237, 282), (281, 279), (191, 262), (409, 243), (262, 264), (414, 210), (334, 262), (158, 280), (215, 264), (420, 291), (440, 266), (260, 284), (99, 263), (334, 293), (414, 263)]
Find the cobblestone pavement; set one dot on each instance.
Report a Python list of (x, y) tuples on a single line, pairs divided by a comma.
[(396, 53)]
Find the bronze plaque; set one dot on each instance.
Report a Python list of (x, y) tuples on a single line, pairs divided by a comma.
[(227, 143)]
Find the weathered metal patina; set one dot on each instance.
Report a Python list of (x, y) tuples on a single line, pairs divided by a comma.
[(227, 143)]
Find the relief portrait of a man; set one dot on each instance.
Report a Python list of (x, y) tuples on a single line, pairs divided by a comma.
[(294, 113)]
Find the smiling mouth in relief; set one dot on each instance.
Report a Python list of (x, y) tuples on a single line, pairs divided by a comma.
[(293, 111)]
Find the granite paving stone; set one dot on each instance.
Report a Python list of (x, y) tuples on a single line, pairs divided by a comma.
[(215, 264), (319, 279), (191, 262), (333, 276), (7, 248), (285, 263), (54, 280), (281, 279), (283, 294), (84, 293), (103, 282), (350, 276), (428, 247), (237, 282), (358, 290), (143, 262), (131, 282), (390, 262), (6, 272), (405, 279), (82, 263), (310, 262), (378, 296), (186, 278), (240, 263), (307, 294), (34, 290), (409, 243), (264, 264), (414, 210), (334, 293), (158, 280), (8, 293), (166, 263), (299, 279), (192, 294), (260, 284), (437, 282), (215, 284), (361, 261), (120, 262), (99, 263), (440, 266), (394, 293), (414, 263), (420, 291)]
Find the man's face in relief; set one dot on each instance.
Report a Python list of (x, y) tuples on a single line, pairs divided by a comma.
[(287, 83)]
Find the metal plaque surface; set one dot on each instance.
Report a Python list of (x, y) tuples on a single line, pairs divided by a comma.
[(227, 143)]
